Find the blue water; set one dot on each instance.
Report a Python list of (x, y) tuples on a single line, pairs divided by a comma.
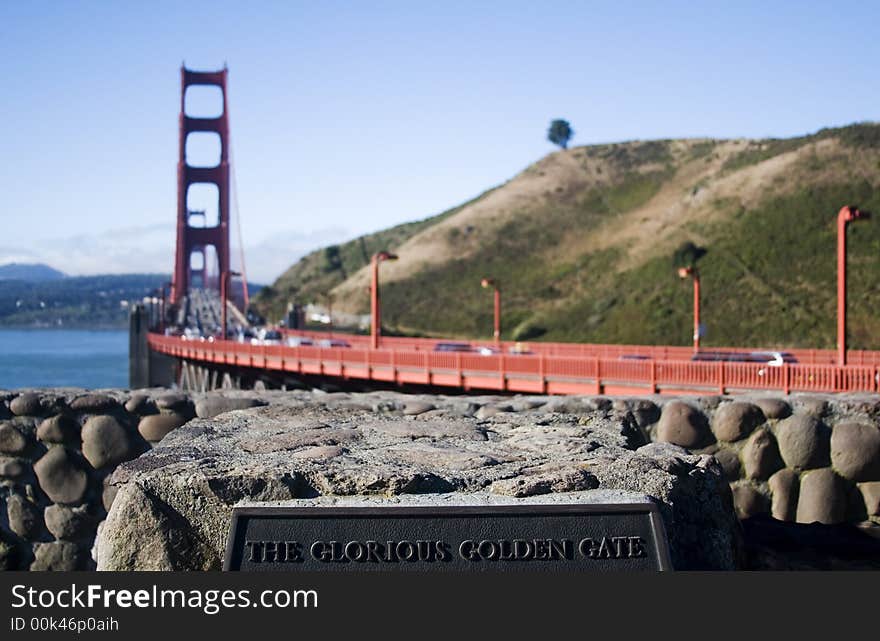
[(63, 358)]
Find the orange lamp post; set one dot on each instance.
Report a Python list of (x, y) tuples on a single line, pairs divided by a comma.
[(491, 282), (844, 216), (375, 319), (693, 273)]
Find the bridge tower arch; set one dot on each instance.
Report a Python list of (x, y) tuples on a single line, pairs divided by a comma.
[(192, 239)]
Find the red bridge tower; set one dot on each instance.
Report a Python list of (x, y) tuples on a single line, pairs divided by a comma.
[(193, 239)]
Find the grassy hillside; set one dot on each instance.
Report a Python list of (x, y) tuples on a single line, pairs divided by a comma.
[(315, 274), (582, 242)]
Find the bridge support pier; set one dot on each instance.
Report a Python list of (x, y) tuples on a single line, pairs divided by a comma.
[(146, 367)]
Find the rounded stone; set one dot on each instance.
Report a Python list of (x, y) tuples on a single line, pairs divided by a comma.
[(822, 497), (646, 412), (774, 408), (156, 426), (871, 496), (710, 403), (172, 401), (729, 461), (58, 429), (748, 501), (61, 475), (93, 403), (27, 404), (855, 451), (139, 404), (13, 468), (59, 556), (803, 442), (24, 517), (684, 425), (69, 524), (761, 455), (813, 406), (105, 442), (733, 421), (12, 441), (784, 487)]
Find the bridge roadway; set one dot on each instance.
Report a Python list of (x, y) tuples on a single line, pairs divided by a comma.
[(551, 368)]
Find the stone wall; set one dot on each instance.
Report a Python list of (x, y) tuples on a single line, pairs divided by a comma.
[(802, 459), (57, 448), (174, 504), (799, 458)]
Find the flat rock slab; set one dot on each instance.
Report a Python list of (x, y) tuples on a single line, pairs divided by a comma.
[(174, 504)]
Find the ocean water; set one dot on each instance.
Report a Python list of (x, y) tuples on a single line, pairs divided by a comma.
[(63, 358)]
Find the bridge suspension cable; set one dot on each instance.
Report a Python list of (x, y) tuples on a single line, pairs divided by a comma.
[(236, 212)]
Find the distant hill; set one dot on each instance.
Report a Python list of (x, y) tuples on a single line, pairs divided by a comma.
[(29, 271), (583, 241), (75, 302), (79, 301)]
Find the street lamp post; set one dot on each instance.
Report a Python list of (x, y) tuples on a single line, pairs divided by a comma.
[(844, 216), (375, 319), (491, 282), (224, 287), (330, 313), (692, 272)]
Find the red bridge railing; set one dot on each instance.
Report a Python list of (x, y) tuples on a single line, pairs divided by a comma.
[(656, 352), (401, 361)]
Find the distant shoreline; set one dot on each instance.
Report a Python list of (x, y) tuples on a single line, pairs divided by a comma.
[(90, 328)]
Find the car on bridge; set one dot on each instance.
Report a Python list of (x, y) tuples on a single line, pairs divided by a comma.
[(487, 350), (333, 342), (453, 347), (299, 341), (267, 337), (774, 359)]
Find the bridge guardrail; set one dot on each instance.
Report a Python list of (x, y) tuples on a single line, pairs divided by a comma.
[(656, 352), (528, 372)]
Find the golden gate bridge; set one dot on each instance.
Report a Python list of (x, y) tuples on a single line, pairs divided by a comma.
[(203, 263)]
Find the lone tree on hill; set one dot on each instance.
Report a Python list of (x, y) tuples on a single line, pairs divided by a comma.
[(687, 255), (560, 133)]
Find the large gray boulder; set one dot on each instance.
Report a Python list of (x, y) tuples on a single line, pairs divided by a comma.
[(855, 451), (804, 442), (173, 507), (683, 424)]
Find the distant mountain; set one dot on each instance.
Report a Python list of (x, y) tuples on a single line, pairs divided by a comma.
[(84, 302), (76, 301), (585, 243), (29, 272)]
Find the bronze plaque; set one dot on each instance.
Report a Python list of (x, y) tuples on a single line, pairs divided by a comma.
[(545, 538)]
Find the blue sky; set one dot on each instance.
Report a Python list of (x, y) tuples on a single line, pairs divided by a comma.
[(348, 117)]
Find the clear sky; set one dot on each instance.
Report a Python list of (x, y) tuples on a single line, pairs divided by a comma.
[(348, 117)]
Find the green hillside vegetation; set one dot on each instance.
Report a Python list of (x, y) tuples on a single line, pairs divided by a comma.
[(317, 273), (583, 241)]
